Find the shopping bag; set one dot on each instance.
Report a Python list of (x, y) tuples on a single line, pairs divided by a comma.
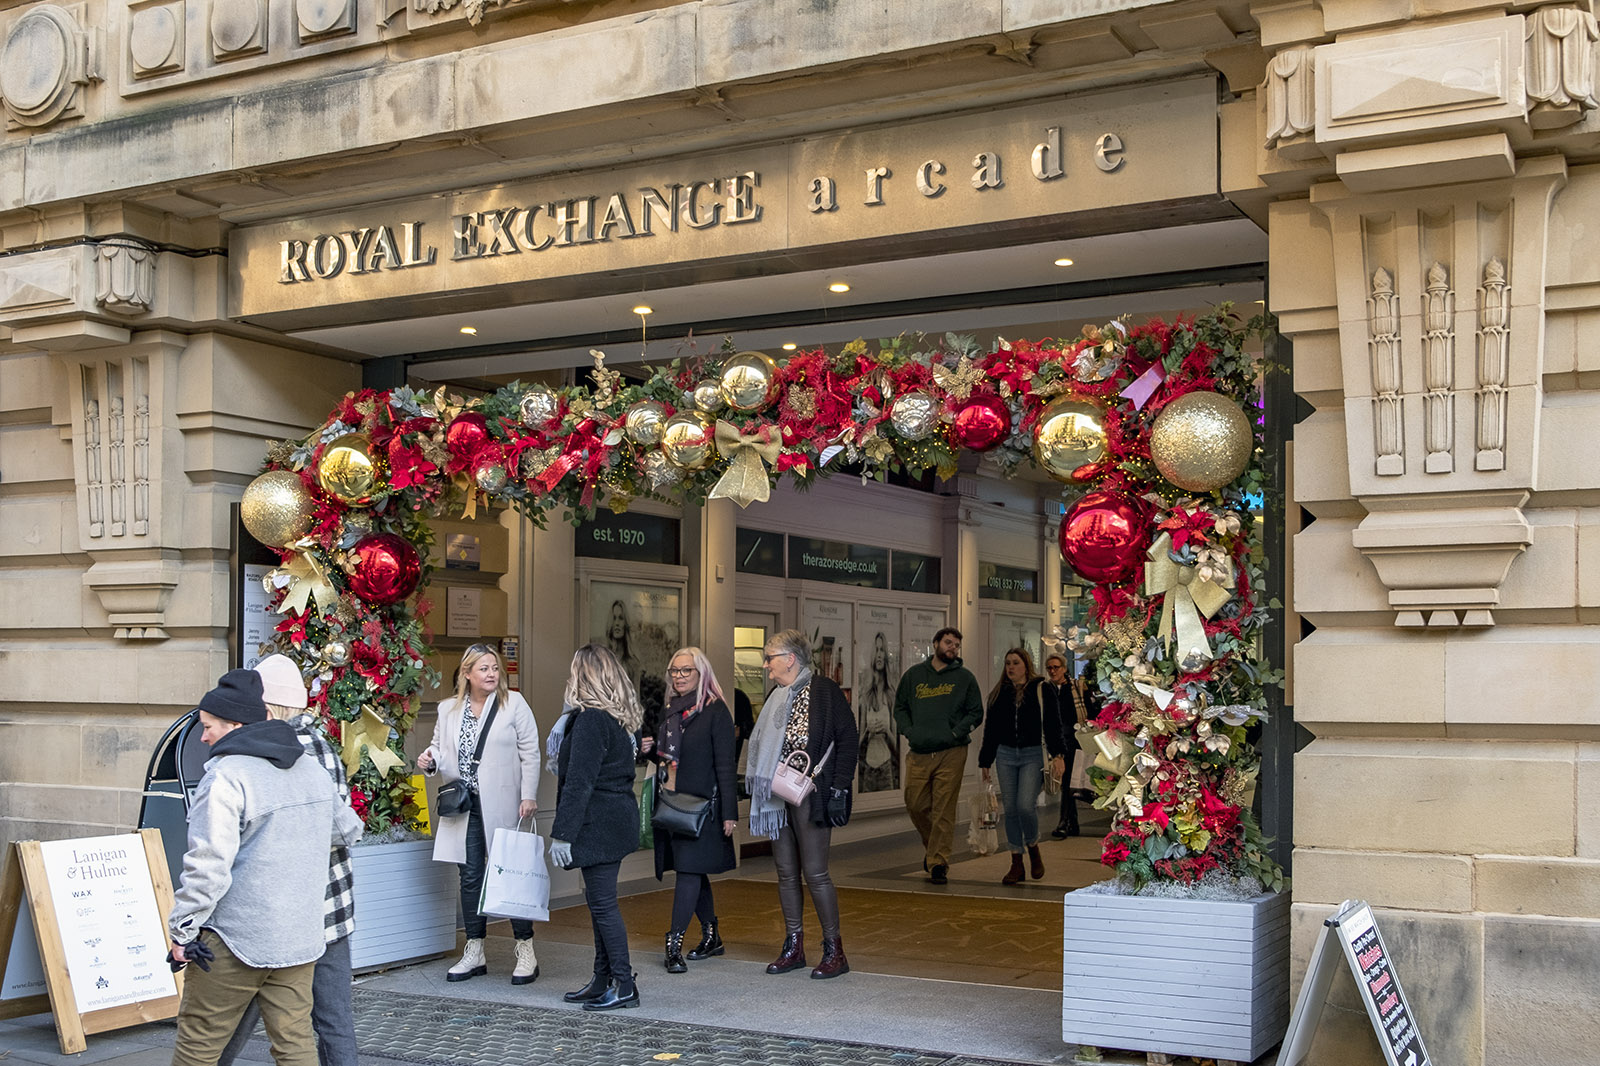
[(517, 881), (984, 818), (647, 807)]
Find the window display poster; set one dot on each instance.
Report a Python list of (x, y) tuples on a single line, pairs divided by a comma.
[(1013, 631), (642, 625), (878, 653), (258, 624), (920, 628), (828, 624), (113, 937)]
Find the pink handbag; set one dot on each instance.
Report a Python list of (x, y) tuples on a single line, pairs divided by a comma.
[(792, 783)]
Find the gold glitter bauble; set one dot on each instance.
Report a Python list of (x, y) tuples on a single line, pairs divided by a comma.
[(347, 470), (750, 381), (1201, 441), (1071, 434), (539, 406), (708, 397), (915, 415), (688, 442), (644, 421), (276, 508)]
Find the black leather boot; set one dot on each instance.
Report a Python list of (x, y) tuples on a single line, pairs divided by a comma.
[(590, 992), (710, 943), (833, 961), (793, 957), (675, 963), (623, 992)]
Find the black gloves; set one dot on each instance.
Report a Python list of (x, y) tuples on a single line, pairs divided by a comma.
[(838, 806), (196, 953)]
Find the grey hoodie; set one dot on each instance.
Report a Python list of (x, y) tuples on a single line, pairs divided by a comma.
[(260, 828)]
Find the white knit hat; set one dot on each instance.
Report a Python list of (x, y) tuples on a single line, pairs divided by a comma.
[(281, 683)]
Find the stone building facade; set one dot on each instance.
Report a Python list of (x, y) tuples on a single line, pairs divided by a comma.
[(1425, 176)]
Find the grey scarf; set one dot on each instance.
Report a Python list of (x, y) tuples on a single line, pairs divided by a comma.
[(768, 813)]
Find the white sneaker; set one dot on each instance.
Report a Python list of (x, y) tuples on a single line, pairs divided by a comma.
[(527, 970), (472, 963)]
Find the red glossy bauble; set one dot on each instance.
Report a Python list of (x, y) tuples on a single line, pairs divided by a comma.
[(387, 569), (467, 436), (981, 423), (1104, 535)]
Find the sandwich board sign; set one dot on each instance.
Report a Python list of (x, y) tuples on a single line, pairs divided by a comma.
[(90, 945), (1362, 948)]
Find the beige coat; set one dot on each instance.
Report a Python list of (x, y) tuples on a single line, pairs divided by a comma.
[(507, 774)]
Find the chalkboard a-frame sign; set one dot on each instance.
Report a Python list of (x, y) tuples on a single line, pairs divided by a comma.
[(1363, 949)]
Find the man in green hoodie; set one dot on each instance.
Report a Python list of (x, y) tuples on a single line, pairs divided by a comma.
[(937, 705)]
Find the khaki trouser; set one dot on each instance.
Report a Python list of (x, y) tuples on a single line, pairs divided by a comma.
[(213, 1003), (933, 793)]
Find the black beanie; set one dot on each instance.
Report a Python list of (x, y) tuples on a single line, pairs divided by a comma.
[(237, 698)]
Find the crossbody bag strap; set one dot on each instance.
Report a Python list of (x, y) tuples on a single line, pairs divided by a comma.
[(822, 761), (483, 733)]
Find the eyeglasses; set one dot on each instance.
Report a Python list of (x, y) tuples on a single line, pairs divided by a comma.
[(480, 649), (681, 671), (774, 655)]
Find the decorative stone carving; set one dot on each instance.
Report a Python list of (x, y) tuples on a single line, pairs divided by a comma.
[(38, 280), (473, 9), (1438, 368), (46, 59), (155, 39), (94, 483), (125, 277), (1494, 347), (1560, 78), (1388, 421), (1290, 94), (238, 28), (318, 19)]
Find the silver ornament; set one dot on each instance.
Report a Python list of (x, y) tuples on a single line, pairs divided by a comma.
[(336, 652), (644, 421), (662, 474), (914, 415), (491, 477), (539, 407), (708, 397)]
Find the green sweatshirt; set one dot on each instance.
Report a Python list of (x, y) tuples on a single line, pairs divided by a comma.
[(937, 709)]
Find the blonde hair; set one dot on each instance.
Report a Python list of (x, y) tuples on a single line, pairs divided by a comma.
[(598, 681), (469, 659), (282, 713), (708, 678)]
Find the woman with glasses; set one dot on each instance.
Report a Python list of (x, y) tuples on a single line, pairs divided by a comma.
[(1021, 724), (597, 816), (805, 713), (503, 783), (694, 752)]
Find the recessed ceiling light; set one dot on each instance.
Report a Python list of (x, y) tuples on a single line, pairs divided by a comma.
[(839, 286), (1063, 262), (644, 309), (791, 346), (471, 331)]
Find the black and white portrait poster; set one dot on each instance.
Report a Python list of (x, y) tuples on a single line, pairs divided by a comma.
[(878, 659)]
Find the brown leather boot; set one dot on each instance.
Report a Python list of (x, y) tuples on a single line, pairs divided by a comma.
[(1036, 859), (793, 957), (1015, 874), (833, 961)]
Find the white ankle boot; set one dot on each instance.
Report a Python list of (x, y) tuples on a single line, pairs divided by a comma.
[(472, 963), (527, 970)]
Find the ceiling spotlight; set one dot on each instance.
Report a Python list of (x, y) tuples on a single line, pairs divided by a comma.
[(839, 286), (644, 309), (471, 331), (1063, 262), (791, 346)]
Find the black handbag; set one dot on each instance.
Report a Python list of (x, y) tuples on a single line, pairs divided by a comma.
[(683, 814), (454, 797)]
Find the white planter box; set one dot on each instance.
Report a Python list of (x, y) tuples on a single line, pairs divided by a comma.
[(1182, 977), (405, 904)]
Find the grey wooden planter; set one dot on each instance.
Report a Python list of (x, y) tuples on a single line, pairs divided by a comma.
[(405, 904), (1181, 977)]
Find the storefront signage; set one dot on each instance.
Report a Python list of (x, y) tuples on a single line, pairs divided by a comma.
[(997, 582), (1028, 164), (638, 538), (838, 562)]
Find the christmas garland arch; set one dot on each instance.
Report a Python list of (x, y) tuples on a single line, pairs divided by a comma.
[(1154, 429)]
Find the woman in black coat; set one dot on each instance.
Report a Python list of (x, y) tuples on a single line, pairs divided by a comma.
[(597, 817), (694, 750), (804, 713), (1022, 723)]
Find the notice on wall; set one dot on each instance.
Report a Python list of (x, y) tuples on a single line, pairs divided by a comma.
[(113, 936), (463, 612), (259, 623)]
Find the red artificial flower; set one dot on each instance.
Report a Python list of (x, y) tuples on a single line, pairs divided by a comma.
[(1112, 854)]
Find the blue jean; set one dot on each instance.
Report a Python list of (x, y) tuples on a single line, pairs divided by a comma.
[(331, 1017), (610, 935), (1019, 771)]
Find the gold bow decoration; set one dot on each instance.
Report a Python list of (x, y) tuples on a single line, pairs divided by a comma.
[(370, 734), (307, 582), (745, 481), (1185, 597)]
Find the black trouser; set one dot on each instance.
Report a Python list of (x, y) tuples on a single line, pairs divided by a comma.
[(692, 895), (472, 872), (1069, 802), (610, 935), (802, 849)]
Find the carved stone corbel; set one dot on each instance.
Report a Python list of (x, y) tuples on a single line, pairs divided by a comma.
[(135, 587), (1560, 57), (125, 276), (1289, 97)]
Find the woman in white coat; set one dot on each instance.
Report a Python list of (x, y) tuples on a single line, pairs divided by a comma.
[(503, 785)]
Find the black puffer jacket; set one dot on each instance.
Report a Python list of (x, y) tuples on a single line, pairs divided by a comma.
[(596, 811)]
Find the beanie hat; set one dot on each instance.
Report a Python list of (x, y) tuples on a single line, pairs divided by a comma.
[(281, 684), (236, 698)]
